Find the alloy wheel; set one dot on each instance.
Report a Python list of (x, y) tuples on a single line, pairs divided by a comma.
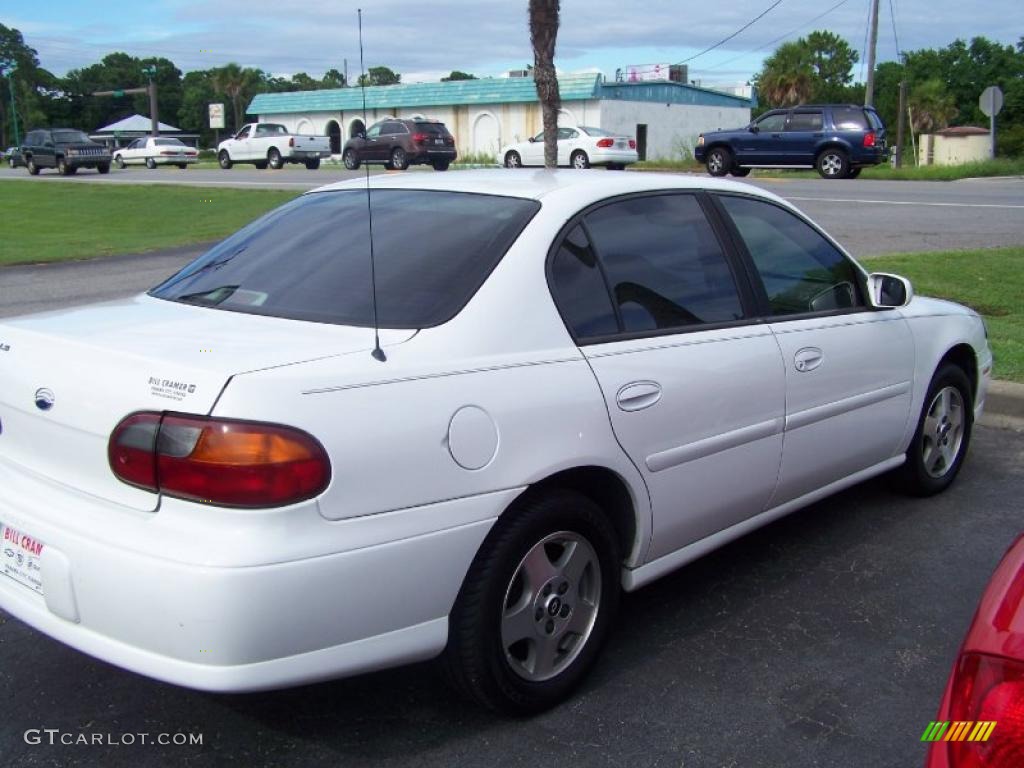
[(943, 432)]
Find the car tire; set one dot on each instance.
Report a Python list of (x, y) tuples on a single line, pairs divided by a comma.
[(274, 159), (103, 168), (313, 163), (441, 165), (739, 172), (943, 434), (62, 167), (719, 161), (579, 160), (30, 164), (119, 162), (399, 160), (513, 160), (832, 163), (564, 616), (224, 159), (854, 173), (351, 160), (151, 163)]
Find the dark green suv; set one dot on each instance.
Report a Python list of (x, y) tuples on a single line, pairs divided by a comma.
[(65, 149)]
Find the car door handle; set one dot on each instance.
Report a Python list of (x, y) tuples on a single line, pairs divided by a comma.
[(638, 395), (807, 359)]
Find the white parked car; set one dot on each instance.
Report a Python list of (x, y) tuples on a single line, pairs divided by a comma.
[(153, 151), (578, 146), (584, 382)]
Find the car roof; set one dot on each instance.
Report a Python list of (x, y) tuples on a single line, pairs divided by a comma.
[(540, 183)]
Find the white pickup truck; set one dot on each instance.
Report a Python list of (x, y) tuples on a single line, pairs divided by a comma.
[(270, 144)]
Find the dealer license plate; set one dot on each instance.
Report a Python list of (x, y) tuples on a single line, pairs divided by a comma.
[(20, 557)]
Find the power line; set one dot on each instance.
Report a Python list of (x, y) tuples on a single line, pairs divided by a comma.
[(777, 39), (730, 37), (864, 46), (892, 15)]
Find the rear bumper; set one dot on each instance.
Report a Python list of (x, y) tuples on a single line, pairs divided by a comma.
[(616, 156), (434, 155), (161, 160), (251, 619), (301, 155)]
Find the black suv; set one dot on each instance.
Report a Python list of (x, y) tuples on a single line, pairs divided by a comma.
[(837, 139), (65, 149), (400, 143)]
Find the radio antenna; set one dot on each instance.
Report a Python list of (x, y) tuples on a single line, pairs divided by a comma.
[(378, 353)]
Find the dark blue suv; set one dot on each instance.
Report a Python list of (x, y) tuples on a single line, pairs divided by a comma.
[(837, 139)]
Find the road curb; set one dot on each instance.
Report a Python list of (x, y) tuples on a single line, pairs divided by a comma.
[(1004, 405)]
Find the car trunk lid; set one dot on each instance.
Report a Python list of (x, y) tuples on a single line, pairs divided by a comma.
[(68, 378)]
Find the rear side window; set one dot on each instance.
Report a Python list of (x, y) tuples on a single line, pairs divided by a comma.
[(664, 264), (580, 290), (805, 121), (801, 271), (849, 119), (310, 259)]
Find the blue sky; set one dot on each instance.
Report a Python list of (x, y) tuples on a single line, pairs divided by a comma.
[(424, 40)]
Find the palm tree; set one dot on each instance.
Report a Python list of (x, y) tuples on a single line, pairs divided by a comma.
[(931, 106), (543, 31), (235, 83), (785, 88)]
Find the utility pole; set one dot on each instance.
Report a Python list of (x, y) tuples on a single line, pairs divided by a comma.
[(869, 89), (151, 72), (901, 122), (8, 71)]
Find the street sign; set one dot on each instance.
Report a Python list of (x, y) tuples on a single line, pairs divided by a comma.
[(991, 101), (118, 94), (216, 115)]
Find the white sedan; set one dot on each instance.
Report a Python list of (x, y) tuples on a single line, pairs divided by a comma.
[(582, 382), (153, 151), (578, 146)]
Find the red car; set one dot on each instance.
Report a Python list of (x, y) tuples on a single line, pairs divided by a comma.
[(984, 699)]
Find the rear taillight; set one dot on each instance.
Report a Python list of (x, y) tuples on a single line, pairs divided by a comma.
[(632, 143), (419, 138), (869, 139), (218, 461), (605, 143), (291, 142), (449, 141), (986, 690)]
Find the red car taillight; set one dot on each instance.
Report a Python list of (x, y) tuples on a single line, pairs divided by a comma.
[(986, 689), (419, 138), (605, 143), (632, 143), (218, 461), (869, 139)]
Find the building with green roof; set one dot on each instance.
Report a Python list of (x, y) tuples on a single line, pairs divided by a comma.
[(488, 113)]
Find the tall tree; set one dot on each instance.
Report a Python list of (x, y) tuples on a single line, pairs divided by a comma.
[(31, 84), (544, 20), (818, 67), (457, 75), (380, 76), (238, 84), (931, 106)]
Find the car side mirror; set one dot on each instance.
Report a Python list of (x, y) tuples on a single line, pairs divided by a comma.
[(753, 128), (531, 139), (361, 135), (887, 291)]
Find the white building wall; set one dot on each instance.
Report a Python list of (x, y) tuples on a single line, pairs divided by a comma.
[(671, 128), (935, 149), (483, 129)]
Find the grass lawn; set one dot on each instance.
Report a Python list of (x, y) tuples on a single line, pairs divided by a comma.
[(990, 281), (66, 221)]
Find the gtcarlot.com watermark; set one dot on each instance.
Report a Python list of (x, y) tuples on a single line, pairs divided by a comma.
[(55, 737)]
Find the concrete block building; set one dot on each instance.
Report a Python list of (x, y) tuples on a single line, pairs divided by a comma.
[(485, 114)]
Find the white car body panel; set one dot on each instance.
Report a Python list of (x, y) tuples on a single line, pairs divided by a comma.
[(428, 450), (532, 151)]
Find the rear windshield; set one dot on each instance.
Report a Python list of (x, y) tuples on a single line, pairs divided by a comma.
[(876, 121), (849, 118), (595, 131), (437, 129), (168, 143), (70, 137), (310, 258)]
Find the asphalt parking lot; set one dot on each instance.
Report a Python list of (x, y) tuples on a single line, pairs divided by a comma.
[(822, 640), (868, 217)]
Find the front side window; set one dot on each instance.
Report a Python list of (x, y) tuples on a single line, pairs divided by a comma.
[(374, 131), (244, 134), (665, 267), (772, 123), (801, 271), (433, 250)]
